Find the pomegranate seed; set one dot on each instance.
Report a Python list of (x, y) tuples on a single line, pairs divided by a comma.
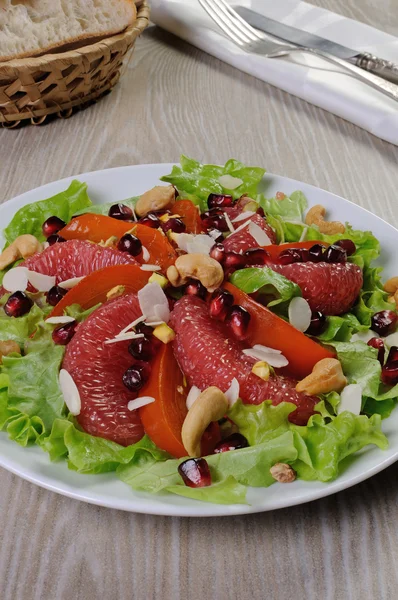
[(136, 376), (318, 322), (150, 220), (130, 243), (18, 304), (289, 256), (256, 256), (120, 212), (220, 301), (215, 200), (55, 239), (384, 322), (389, 373), (214, 221), (260, 211), (218, 252), (175, 225), (144, 348), (347, 245), (55, 294), (62, 335), (232, 442), (143, 328), (195, 288), (52, 225), (379, 345), (195, 472), (305, 255), (335, 254), (216, 235), (233, 260), (393, 354), (238, 319), (315, 253)]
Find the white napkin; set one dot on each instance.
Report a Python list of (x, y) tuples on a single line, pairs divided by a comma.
[(303, 75)]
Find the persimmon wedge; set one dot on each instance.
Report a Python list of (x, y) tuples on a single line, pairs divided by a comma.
[(94, 288), (268, 329), (97, 228), (189, 214)]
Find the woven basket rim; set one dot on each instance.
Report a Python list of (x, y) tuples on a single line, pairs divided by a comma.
[(141, 22)]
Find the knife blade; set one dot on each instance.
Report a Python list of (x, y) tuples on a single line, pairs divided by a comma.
[(383, 68)]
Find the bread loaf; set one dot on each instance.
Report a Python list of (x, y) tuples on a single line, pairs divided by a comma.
[(33, 27)]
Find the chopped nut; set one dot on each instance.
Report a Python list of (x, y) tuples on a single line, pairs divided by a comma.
[(24, 246), (8, 347), (164, 333), (315, 216), (283, 473), (327, 376), (157, 278), (280, 195), (262, 370), (110, 242), (158, 198), (115, 292), (196, 266)]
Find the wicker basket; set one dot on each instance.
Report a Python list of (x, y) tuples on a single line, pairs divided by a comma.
[(55, 84)]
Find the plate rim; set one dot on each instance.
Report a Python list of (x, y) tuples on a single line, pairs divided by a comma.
[(192, 509)]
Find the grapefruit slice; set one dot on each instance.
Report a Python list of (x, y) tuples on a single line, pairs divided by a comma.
[(76, 258), (208, 356), (331, 288), (97, 369), (243, 240)]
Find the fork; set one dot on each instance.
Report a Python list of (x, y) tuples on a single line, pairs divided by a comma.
[(254, 41)]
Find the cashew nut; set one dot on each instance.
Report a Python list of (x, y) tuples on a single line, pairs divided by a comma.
[(158, 198), (7, 347), (196, 266), (283, 473), (327, 376), (24, 246), (315, 216), (210, 406)]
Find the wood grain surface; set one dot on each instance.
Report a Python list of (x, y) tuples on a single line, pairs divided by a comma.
[(172, 99)]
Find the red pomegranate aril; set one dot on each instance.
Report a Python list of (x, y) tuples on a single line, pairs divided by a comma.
[(130, 243), (318, 323), (151, 220), (55, 294), (233, 260), (121, 212), (389, 373), (144, 348), (256, 256), (220, 302), (215, 200), (260, 211), (232, 442), (174, 224), (18, 304), (289, 256), (55, 239), (305, 255), (195, 288), (315, 253), (347, 245), (378, 344), (216, 221), (52, 225), (335, 254), (238, 319), (393, 354), (218, 252), (195, 472), (384, 322), (137, 375), (143, 328), (62, 335)]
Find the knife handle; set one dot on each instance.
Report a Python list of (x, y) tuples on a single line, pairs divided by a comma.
[(383, 68)]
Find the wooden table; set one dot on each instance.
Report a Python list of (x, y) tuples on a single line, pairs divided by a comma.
[(171, 100)]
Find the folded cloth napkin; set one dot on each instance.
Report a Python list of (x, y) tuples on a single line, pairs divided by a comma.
[(303, 75)]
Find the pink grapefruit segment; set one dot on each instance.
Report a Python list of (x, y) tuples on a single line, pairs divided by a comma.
[(243, 240)]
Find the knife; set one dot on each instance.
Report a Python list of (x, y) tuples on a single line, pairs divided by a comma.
[(365, 60)]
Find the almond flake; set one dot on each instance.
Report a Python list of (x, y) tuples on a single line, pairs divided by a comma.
[(70, 392), (70, 283), (244, 215), (124, 337), (145, 254), (16, 279), (259, 234), (150, 268), (139, 402), (59, 320), (229, 182)]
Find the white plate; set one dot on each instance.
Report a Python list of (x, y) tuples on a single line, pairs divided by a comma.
[(106, 490)]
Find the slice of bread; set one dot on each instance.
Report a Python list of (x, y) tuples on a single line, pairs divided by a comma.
[(33, 27)]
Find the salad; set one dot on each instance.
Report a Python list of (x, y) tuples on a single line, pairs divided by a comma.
[(195, 340)]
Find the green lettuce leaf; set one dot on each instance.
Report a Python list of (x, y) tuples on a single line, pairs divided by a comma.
[(76, 312), (200, 180), (269, 283), (30, 218), (103, 209), (291, 207), (19, 329)]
